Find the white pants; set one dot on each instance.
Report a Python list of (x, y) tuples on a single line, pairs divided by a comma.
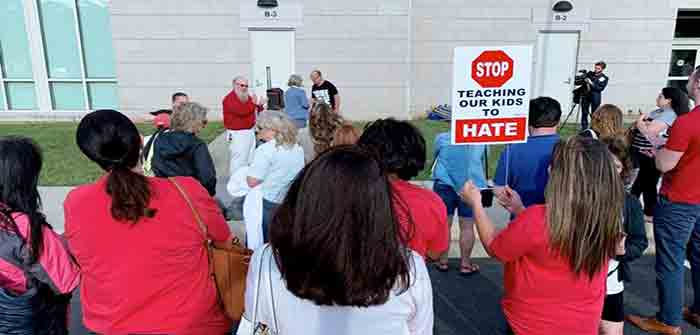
[(241, 144)]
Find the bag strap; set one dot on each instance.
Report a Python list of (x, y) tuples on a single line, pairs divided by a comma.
[(272, 292), (197, 217), (257, 292), (202, 226)]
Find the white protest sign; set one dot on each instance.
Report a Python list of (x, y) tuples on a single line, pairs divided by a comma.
[(491, 94)]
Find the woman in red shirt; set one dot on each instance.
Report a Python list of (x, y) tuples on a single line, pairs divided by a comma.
[(141, 253), (556, 255)]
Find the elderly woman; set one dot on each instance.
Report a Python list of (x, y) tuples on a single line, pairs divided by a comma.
[(276, 162), (180, 152), (295, 101)]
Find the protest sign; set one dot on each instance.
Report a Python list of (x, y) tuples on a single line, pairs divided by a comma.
[(491, 94)]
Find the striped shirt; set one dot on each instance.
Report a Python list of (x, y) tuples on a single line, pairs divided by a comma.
[(640, 141)]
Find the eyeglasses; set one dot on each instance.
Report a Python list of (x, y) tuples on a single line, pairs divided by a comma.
[(242, 85)]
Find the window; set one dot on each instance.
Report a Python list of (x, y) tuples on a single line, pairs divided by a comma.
[(687, 23), (79, 56), (685, 55), (16, 76), (56, 55)]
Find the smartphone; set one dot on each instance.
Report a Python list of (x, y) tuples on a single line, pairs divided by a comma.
[(487, 197)]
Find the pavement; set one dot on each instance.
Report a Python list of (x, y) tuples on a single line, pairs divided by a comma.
[(470, 305)]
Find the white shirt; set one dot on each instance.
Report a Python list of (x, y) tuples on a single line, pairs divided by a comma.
[(276, 166), (410, 313)]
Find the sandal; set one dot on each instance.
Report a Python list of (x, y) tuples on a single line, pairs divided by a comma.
[(442, 267), (468, 270)]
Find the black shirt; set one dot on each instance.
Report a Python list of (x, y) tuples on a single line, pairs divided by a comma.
[(325, 93)]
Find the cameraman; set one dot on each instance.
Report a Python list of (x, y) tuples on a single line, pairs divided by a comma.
[(596, 81)]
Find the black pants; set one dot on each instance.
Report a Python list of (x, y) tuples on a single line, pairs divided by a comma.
[(589, 105), (646, 181)]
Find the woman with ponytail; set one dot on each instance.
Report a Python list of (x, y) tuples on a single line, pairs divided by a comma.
[(37, 274), (141, 252)]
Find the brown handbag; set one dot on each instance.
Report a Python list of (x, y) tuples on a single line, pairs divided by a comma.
[(228, 265)]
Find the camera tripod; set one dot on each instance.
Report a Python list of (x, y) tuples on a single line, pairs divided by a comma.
[(571, 112)]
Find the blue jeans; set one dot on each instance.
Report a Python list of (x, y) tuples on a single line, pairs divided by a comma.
[(677, 234), (269, 208)]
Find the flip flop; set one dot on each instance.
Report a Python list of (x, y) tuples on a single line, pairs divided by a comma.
[(470, 270), (442, 267)]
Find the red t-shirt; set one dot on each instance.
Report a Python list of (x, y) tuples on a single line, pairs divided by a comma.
[(681, 183), (238, 115), (423, 208), (542, 294), (151, 277)]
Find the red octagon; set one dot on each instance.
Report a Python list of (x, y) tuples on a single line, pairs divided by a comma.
[(492, 68)]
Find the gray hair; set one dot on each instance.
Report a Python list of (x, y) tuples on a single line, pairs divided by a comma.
[(286, 131), (239, 78), (295, 80), (188, 117)]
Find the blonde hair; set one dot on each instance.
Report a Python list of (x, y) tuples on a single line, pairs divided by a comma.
[(323, 123), (188, 117), (286, 131), (607, 121), (346, 134), (585, 200)]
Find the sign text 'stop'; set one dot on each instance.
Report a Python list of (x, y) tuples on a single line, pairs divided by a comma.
[(492, 68)]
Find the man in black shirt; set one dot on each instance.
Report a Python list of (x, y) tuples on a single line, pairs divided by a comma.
[(323, 91)]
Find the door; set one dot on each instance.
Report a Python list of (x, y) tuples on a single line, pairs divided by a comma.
[(557, 55), (272, 52)]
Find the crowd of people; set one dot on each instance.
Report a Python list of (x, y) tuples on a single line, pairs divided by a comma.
[(347, 237)]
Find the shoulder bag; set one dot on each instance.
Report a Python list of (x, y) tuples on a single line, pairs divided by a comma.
[(228, 265)]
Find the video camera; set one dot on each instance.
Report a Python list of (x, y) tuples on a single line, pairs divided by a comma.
[(581, 88)]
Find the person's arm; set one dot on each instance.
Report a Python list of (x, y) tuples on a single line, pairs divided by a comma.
[(333, 92), (56, 266), (440, 242), (337, 104), (486, 229), (439, 144), (599, 84), (636, 241), (681, 135), (510, 200), (303, 99), (260, 166), (204, 168), (666, 160), (651, 128)]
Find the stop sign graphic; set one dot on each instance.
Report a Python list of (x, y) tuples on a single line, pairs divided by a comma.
[(492, 68)]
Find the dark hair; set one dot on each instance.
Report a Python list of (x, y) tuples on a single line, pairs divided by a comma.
[(178, 94), (20, 164), (679, 100), (544, 112), (111, 140), (398, 145), (339, 243), (601, 64)]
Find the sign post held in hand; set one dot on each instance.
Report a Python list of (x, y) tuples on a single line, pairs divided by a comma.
[(491, 94)]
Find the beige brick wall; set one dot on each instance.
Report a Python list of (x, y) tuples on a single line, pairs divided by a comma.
[(388, 58)]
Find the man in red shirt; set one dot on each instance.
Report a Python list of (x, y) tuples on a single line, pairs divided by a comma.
[(677, 221), (240, 108)]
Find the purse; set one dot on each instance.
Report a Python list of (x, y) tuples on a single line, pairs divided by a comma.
[(253, 327), (228, 265)]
